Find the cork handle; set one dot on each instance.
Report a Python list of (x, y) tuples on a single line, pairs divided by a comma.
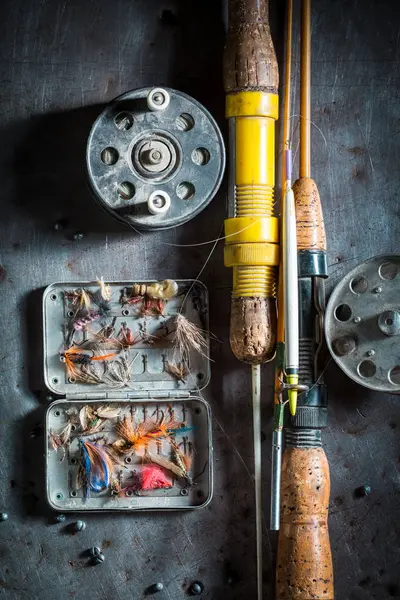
[(304, 561), (253, 329), (309, 218), (249, 59)]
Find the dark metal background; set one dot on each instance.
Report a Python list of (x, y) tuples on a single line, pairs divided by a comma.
[(60, 61)]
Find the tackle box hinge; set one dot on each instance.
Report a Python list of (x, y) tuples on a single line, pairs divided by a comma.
[(143, 395), (97, 396), (180, 394), (155, 394)]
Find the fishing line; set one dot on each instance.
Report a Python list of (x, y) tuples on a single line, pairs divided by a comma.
[(319, 377), (289, 141), (218, 239), (201, 270), (312, 123)]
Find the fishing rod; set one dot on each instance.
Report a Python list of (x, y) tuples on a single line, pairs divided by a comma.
[(304, 560), (251, 85), (278, 419)]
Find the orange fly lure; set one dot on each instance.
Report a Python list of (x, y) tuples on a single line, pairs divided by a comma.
[(135, 435), (138, 436), (74, 358)]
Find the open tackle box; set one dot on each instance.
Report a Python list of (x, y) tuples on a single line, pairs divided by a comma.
[(129, 399)]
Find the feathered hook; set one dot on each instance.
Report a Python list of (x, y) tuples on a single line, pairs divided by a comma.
[(105, 290), (61, 439), (96, 467), (152, 477), (188, 337)]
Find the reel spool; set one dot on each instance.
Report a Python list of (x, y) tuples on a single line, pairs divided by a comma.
[(155, 158), (362, 324)]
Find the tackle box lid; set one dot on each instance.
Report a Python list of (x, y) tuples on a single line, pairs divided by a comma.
[(147, 369)]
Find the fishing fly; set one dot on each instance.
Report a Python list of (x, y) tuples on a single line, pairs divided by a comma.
[(178, 370), (95, 468)]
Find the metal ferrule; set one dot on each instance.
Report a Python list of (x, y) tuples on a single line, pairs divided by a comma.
[(312, 263), (276, 479), (303, 438)]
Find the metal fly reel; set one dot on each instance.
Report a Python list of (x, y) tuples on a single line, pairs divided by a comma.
[(155, 158), (362, 324)]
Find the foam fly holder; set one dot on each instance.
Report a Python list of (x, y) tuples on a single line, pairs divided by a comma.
[(152, 393)]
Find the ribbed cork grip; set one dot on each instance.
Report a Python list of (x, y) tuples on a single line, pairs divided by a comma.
[(309, 217), (304, 561), (249, 60), (253, 329)]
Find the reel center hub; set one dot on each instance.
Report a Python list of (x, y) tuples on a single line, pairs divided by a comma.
[(156, 156)]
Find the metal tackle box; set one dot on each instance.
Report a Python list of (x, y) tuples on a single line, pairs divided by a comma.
[(120, 382)]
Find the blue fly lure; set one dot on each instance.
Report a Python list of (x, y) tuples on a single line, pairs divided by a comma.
[(96, 467)]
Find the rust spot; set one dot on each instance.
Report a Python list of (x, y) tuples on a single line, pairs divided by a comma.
[(3, 273), (359, 173), (356, 150), (71, 266), (106, 544)]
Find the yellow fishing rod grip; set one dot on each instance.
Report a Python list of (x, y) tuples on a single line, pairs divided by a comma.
[(252, 230)]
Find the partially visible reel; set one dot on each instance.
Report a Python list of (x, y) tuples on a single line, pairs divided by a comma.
[(155, 158), (362, 324)]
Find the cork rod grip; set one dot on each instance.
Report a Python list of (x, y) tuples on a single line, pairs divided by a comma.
[(249, 60), (304, 561), (253, 329), (310, 227)]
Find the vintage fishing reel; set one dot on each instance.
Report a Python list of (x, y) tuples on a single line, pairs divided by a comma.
[(362, 324), (155, 158)]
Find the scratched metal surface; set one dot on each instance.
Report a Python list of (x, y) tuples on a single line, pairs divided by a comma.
[(60, 61)]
